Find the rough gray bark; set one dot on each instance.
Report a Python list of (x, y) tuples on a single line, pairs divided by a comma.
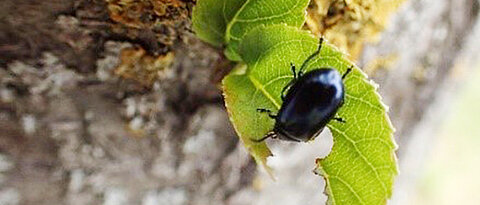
[(66, 122)]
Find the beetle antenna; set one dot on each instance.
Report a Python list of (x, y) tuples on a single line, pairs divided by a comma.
[(347, 72), (312, 56), (268, 135)]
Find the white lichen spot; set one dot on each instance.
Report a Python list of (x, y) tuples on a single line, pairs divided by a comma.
[(105, 67), (7, 96), (200, 142), (76, 180), (63, 78), (9, 197), (49, 59), (20, 68), (29, 124), (166, 196), (150, 198), (130, 107), (136, 123), (115, 196), (89, 115)]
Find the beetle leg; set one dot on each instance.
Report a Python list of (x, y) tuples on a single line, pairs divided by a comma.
[(347, 72), (339, 119), (263, 110), (312, 56), (292, 66), (268, 135)]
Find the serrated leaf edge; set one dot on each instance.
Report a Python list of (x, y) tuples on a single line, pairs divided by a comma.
[(327, 190)]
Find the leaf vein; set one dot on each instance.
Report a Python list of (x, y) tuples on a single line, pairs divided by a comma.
[(271, 17), (211, 28), (229, 25), (364, 102), (375, 139), (260, 87), (273, 48), (377, 176), (349, 187), (277, 78), (223, 11)]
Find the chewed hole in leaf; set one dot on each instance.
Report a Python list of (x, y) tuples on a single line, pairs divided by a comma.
[(361, 165), (296, 159)]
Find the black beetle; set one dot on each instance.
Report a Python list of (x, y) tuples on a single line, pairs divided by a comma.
[(311, 101)]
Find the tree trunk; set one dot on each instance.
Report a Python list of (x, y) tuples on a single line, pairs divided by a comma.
[(77, 129)]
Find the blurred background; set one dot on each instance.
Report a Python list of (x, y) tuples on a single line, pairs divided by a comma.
[(117, 102), (450, 172)]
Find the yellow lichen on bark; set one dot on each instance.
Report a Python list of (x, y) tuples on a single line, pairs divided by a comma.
[(142, 14), (136, 64), (348, 24), (161, 19)]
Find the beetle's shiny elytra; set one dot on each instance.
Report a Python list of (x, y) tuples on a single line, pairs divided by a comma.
[(311, 101)]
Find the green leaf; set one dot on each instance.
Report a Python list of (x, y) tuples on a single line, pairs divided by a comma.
[(210, 19), (225, 22), (362, 164)]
